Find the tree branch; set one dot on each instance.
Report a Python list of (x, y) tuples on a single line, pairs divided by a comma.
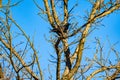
[(50, 18), (20, 59), (55, 16), (65, 12), (81, 43), (101, 70)]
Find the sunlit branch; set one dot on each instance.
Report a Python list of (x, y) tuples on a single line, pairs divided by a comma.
[(31, 44), (65, 12), (101, 70), (55, 16), (20, 59), (50, 18)]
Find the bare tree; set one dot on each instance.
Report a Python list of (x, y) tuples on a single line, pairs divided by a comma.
[(16, 58), (63, 30)]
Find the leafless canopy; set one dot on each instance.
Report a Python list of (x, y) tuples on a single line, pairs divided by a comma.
[(66, 34)]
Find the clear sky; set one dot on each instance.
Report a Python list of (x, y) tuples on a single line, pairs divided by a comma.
[(26, 16)]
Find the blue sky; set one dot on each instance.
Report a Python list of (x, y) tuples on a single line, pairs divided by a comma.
[(25, 14)]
